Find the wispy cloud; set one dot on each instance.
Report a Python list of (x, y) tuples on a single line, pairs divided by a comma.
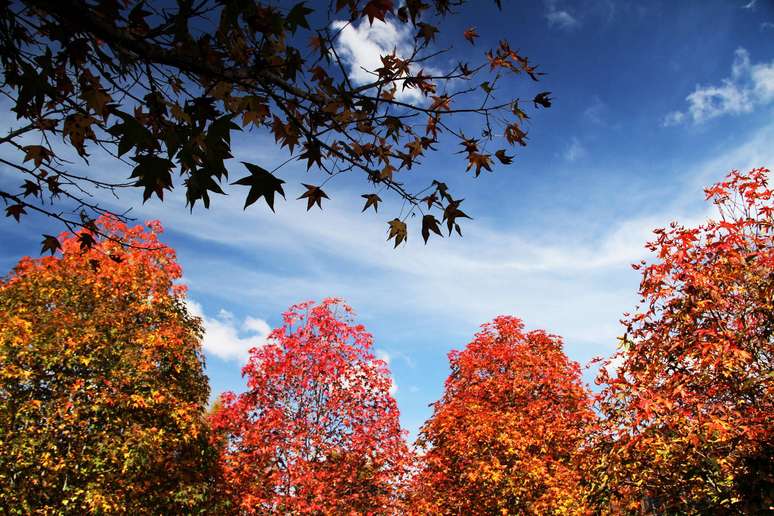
[(560, 18), (749, 86), (225, 338), (575, 151), (576, 283), (597, 112)]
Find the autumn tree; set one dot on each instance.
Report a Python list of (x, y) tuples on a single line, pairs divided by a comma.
[(165, 86), (102, 389), (688, 408), (317, 431), (504, 437)]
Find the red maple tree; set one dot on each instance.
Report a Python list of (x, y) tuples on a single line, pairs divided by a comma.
[(688, 411), (317, 430), (504, 438)]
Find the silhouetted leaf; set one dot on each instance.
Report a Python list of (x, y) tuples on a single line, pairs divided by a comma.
[(430, 223), (371, 200), (313, 195), (262, 183), (50, 243), (153, 174)]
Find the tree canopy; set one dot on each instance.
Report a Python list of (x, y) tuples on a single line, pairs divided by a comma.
[(164, 86), (102, 388), (317, 431), (688, 401), (505, 437)]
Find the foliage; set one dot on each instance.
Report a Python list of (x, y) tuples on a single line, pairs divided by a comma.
[(167, 84), (688, 410), (317, 432), (102, 390), (505, 435)]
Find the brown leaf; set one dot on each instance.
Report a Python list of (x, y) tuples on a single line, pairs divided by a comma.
[(430, 223), (471, 35), (398, 231), (371, 200), (503, 157), (313, 195)]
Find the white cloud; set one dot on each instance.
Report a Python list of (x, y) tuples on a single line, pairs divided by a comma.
[(576, 282), (575, 151), (597, 111), (225, 338), (560, 18), (749, 86), (361, 46), (386, 358)]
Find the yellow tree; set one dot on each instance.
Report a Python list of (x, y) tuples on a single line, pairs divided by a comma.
[(102, 388), (504, 438)]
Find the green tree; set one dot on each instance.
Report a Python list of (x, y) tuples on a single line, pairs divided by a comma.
[(102, 388)]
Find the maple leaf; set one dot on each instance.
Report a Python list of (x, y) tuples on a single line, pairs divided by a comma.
[(503, 157), (386, 173), (198, 185), (131, 133), (312, 154), (427, 32), (313, 195), (377, 9), (78, 128), (514, 134), (543, 99), (86, 240), (451, 213), (430, 200), (153, 174), (371, 200), (398, 231), (37, 153), (15, 211), (262, 183), (479, 161), (30, 188), (518, 111), (50, 243), (297, 17), (471, 35), (430, 223)]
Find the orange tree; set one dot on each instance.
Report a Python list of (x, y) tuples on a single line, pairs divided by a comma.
[(317, 431), (102, 389), (505, 436), (166, 84), (689, 426)]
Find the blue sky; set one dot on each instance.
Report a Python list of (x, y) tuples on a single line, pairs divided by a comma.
[(654, 101)]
